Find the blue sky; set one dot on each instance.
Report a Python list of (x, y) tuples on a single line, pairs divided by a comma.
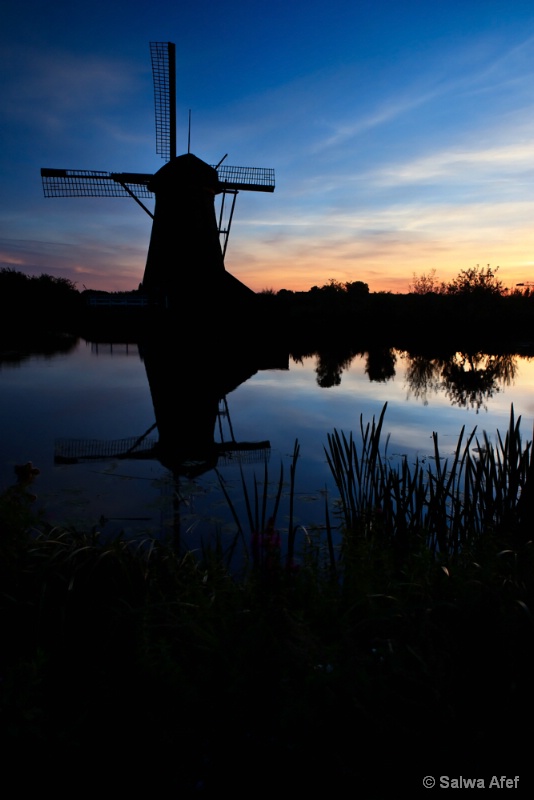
[(402, 134)]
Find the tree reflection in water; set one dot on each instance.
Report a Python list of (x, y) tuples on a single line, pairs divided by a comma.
[(330, 365), (380, 364), (422, 376), (469, 380)]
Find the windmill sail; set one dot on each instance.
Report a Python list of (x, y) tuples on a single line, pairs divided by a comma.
[(164, 74), (252, 179), (93, 183)]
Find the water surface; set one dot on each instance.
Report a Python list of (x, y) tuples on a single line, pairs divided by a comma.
[(102, 393)]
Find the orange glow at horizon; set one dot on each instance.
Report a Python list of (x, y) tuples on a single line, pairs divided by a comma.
[(289, 264), (387, 250), (512, 266)]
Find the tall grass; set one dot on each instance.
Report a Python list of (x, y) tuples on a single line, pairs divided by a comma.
[(447, 504)]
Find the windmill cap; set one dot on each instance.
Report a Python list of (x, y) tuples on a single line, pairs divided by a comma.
[(188, 171)]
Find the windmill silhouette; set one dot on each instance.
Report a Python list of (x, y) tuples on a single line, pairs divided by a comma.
[(185, 262)]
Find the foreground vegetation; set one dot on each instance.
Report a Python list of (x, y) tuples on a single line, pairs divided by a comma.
[(359, 659)]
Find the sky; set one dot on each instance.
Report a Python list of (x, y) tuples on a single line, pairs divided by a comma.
[(401, 134)]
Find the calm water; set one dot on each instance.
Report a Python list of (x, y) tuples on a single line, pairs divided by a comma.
[(102, 393)]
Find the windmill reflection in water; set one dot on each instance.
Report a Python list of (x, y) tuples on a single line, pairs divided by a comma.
[(190, 406)]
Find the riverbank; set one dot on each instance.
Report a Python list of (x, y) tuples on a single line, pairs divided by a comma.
[(476, 314)]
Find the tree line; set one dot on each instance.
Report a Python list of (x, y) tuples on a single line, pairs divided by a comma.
[(473, 309)]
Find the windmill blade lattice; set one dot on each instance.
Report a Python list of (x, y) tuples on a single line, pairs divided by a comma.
[(253, 179), (93, 183), (164, 73)]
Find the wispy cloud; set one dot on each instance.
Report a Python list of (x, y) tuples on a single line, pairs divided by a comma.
[(57, 90), (451, 80), (458, 164)]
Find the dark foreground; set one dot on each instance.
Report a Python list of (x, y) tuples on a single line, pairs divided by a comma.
[(139, 668)]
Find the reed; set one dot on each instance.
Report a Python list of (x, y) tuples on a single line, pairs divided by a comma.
[(264, 549), (447, 505), (267, 550)]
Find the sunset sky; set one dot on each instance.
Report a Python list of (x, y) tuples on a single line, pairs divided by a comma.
[(401, 133)]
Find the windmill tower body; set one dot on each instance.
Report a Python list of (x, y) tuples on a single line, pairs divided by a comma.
[(184, 256), (185, 262)]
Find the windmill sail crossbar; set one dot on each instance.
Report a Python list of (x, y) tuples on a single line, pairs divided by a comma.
[(93, 183), (255, 179)]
